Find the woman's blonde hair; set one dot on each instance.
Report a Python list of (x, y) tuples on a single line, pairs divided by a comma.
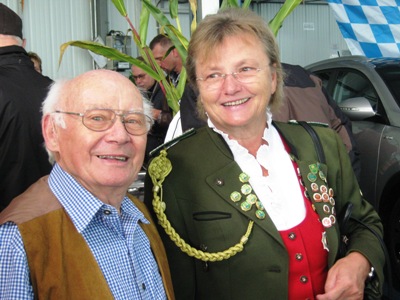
[(212, 31)]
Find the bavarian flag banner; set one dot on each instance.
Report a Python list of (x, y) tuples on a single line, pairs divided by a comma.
[(369, 27)]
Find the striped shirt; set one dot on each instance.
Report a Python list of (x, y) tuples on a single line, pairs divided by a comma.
[(118, 243)]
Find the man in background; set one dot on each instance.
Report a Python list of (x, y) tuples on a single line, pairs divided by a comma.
[(306, 100), (172, 65), (37, 61), (23, 158), (151, 88)]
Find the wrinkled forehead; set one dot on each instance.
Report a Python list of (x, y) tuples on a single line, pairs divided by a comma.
[(116, 92)]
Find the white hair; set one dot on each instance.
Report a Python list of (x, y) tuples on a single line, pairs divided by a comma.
[(54, 101)]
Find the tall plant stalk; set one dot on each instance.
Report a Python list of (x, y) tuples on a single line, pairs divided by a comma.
[(150, 66)]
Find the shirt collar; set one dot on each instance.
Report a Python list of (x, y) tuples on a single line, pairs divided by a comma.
[(234, 145), (79, 203)]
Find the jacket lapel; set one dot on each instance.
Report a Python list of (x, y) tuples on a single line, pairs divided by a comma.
[(228, 183)]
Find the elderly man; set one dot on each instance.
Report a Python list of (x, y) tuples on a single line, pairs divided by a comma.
[(75, 234)]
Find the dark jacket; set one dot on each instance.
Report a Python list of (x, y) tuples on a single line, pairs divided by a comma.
[(23, 158), (198, 204), (307, 100)]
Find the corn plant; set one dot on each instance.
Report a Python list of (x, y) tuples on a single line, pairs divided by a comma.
[(150, 66)]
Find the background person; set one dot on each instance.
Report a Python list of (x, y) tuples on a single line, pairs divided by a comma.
[(172, 63), (251, 194), (23, 158), (75, 234), (37, 61), (162, 113), (305, 99)]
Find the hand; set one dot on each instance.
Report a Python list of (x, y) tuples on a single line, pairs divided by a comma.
[(346, 279)]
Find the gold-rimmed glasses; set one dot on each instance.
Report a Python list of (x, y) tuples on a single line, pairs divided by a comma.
[(215, 80), (135, 123)]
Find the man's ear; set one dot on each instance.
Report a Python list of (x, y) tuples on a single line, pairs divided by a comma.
[(50, 133)]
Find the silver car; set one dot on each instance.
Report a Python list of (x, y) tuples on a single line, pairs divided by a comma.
[(368, 91)]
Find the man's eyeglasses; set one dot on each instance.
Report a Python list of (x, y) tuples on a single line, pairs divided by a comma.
[(214, 81), (136, 123)]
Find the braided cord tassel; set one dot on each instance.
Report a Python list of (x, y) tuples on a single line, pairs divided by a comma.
[(158, 170)]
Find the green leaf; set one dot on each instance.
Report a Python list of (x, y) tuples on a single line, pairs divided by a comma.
[(144, 24), (229, 3), (246, 4), (173, 8), (110, 53), (179, 40), (193, 8), (276, 23), (120, 5)]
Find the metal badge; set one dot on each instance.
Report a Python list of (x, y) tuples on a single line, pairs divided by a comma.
[(236, 196), (246, 189), (243, 177), (251, 198)]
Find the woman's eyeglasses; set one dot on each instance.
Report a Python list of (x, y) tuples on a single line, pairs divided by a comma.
[(214, 81)]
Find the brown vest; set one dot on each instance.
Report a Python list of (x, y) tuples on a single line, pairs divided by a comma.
[(60, 261)]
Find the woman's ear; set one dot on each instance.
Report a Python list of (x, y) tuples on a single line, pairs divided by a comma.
[(50, 133)]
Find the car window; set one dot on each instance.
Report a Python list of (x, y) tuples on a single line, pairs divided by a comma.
[(351, 84), (325, 78), (391, 75)]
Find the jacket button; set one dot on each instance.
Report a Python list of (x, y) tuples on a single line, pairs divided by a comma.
[(292, 236), (303, 279), (299, 256), (204, 263), (219, 182)]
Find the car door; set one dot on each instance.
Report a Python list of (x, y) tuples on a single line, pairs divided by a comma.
[(354, 94)]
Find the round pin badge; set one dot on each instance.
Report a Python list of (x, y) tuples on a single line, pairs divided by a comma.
[(326, 222)]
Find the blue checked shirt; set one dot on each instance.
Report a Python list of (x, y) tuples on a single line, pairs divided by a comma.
[(117, 241)]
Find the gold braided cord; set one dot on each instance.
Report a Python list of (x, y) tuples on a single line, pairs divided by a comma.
[(159, 168)]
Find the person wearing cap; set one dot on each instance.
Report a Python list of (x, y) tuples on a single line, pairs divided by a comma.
[(23, 159)]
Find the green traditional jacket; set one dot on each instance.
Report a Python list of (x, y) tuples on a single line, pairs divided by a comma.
[(198, 193)]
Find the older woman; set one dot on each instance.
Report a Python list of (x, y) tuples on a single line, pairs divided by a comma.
[(247, 209)]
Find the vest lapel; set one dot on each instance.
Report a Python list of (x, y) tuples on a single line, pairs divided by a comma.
[(157, 247)]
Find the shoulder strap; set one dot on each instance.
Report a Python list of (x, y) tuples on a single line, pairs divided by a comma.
[(316, 140)]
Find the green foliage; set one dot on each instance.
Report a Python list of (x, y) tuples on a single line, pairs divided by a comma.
[(173, 94)]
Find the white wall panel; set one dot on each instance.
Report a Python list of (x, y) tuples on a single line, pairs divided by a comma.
[(309, 34), (48, 24), (133, 7)]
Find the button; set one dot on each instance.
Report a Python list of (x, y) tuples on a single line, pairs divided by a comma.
[(303, 279), (292, 236), (219, 182), (299, 256), (107, 212), (143, 286)]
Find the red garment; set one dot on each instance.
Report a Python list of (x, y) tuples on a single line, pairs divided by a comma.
[(308, 260)]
